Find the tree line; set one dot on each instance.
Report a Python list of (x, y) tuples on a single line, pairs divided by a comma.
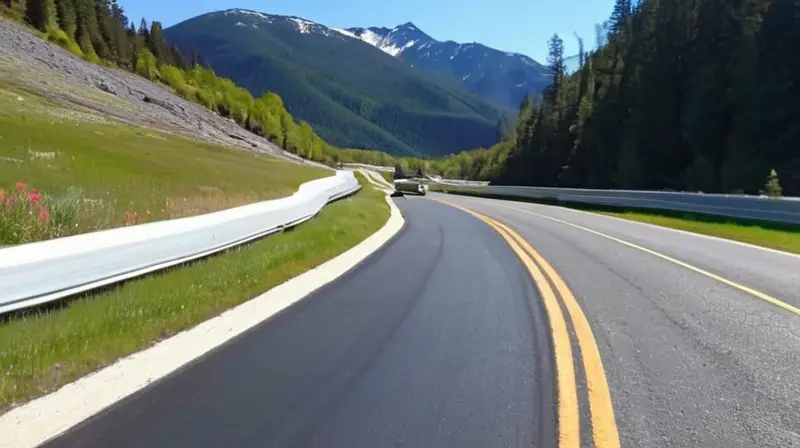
[(688, 95)]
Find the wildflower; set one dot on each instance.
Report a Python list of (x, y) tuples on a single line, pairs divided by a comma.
[(44, 215), (20, 186), (3, 195), (131, 218), (34, 196)]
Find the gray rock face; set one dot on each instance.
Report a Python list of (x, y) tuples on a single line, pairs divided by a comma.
[(45, 68)]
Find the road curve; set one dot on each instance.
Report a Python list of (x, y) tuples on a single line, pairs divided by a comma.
[(439, 339), (691, 359)]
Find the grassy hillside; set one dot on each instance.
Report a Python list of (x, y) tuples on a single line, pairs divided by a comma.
[(353, 94), (80, 172)]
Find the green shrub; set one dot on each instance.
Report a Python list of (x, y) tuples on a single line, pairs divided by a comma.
[(147, 65), (60, 38)]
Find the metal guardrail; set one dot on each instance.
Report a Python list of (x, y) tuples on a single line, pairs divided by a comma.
[(41, 272), (387, 169), (786, 210)]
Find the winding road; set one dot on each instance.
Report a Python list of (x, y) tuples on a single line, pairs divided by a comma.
[(488, 323)]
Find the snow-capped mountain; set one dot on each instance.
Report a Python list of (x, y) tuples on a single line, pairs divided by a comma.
[(353, 94), (256, 20), (392, 41), (501, 77)]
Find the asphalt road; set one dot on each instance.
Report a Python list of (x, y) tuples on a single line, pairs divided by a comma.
[(690, 360), (418, 346), (440, 340)]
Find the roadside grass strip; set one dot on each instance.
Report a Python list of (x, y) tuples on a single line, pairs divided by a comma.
[(772, 235), (43, 350)]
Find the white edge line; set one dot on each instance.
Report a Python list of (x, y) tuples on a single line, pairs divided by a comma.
[(685, 232), (49, 416)]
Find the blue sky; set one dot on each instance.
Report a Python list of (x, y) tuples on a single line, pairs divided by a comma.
[(511, 25)]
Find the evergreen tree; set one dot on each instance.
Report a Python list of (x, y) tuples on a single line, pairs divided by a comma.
[(685, 94), (15, 9), (107, 30), (772, 186), (67, 17), (42, 14), (88, 33), (555, 62), (620, 17), (157, 45)]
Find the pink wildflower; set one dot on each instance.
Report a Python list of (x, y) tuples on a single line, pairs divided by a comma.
[(44, 215), (34, 196), (20, 186), (131, 218)]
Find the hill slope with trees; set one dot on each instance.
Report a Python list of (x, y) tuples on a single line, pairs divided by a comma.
[(698, 95), (351, 92), (99, 31)]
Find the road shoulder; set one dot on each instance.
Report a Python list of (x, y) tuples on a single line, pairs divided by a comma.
[(45, 417)]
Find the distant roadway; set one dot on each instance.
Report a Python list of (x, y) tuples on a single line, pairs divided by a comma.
[(488, 323)]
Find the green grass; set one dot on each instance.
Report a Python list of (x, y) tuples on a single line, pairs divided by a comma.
[(114, 168), (44, 350), (388, 176), (780, 236), (753, 232)]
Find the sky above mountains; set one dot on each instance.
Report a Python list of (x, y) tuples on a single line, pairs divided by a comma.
[(521, 26)]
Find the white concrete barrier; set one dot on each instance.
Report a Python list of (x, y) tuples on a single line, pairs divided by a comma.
[(36, 273)]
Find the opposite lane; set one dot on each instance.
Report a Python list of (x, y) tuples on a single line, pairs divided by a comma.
[(690, 361), (418, 346)]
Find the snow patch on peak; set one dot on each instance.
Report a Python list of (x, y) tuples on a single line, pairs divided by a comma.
[(302, 25), (371, 38), (246, 12), (345, 32)]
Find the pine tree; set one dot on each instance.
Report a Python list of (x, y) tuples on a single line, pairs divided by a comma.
[(119, 28), (157, 45), (15, 9), (67, 17), (555, 61), (42, 14), (772, 186), (88, 32), (620, 17)]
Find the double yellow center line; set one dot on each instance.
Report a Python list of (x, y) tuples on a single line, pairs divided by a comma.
[(552, 287)]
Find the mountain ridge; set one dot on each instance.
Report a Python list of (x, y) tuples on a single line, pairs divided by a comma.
[(502, 77), (353, 94)]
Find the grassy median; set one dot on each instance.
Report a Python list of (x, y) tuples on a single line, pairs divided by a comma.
[(44, 350), (388, 176), (785, 237), (78, 172)]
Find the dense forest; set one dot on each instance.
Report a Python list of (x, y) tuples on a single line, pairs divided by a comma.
[(695, 95), (99, 31)]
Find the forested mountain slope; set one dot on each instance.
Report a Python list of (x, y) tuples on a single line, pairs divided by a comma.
[(353, 94), (698, 95)]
